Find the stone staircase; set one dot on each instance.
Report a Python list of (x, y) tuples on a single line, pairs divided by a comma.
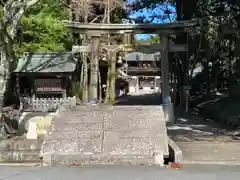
[(119, 135), (20, 150)]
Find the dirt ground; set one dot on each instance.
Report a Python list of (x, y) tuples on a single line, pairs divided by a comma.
[(220, 108)]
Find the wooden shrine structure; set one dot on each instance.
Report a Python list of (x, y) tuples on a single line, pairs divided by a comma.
[(43, 79), (145, 67)]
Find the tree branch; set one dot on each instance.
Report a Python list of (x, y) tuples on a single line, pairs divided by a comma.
[(23, 7)]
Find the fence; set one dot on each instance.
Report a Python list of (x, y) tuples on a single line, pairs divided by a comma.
[(46, 104)]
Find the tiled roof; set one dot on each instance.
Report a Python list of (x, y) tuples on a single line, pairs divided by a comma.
[(46, 62)]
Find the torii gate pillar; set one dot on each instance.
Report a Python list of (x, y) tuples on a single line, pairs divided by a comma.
[(93, 96), (166, 99)]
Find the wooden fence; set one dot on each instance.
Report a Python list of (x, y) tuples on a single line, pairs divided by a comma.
[(46, 104)]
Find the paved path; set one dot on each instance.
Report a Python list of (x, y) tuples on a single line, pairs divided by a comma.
[(204, 141), (141, 98), (109, 135), (120, 173)]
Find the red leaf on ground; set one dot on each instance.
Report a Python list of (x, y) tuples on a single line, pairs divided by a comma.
[(174, 165)]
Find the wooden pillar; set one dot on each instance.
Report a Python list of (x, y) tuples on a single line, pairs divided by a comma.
[(17, 85), (18, 93), (112, 89), (155, 83), (166, 100), (94, 68), (64, 81), (127, 39), (165, 71), (237, 54), (137, 84)]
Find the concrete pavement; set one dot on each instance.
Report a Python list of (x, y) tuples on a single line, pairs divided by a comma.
[(120, 173), (204, 141)]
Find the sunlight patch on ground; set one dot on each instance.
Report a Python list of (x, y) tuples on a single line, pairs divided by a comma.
[(183, 120), (189, 128)]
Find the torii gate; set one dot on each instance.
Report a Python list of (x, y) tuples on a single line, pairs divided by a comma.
[(96, 30)]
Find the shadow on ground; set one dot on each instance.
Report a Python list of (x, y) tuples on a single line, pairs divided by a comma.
[(189, 128), (220, 108), (142, 99)]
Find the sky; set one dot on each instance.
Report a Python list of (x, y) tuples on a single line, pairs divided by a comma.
[(157, 15)]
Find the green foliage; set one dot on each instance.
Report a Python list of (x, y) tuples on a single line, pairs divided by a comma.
[(154, 39), (42, 28)]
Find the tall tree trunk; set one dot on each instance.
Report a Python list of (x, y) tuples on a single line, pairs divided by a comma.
[(112, 87), (9, 22), (84, 78), (237, 54), (85, 88), (5, 67), (94, 69), (99, 86), (184, 13), (80, 88), (106, 100), (107, 93)]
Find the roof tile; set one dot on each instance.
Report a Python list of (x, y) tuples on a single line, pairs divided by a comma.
[(46, 62)]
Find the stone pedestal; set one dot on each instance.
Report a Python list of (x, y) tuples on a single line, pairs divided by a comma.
[(32, 130)]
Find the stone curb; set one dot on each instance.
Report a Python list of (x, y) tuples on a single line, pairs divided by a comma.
[(37, 164), (78, 159), (19, 156), (229, 163), (178, 156)]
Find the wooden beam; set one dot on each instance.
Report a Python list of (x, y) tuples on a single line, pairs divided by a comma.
[(144, 48), (76, 49), (88, 48), (135, 28), (140, 69), (159, 47)]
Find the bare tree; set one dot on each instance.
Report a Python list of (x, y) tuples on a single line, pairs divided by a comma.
[(12, 12), (97, 11)]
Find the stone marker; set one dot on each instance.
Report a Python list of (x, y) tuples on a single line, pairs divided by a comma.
[(32, 130)]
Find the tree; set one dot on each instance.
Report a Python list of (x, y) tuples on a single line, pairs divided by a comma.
[(97, 12), (41, 29), (12, 12), (154, 39)]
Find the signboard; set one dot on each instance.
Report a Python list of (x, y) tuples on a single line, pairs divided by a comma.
[(48, 85)]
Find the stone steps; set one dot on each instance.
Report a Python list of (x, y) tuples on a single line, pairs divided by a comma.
[(21, 144), (20, 150), (117, 135), (20, 156), (98, 159)]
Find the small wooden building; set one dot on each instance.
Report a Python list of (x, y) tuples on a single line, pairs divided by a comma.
[(145, 67), (45, 75), (141, 64)]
